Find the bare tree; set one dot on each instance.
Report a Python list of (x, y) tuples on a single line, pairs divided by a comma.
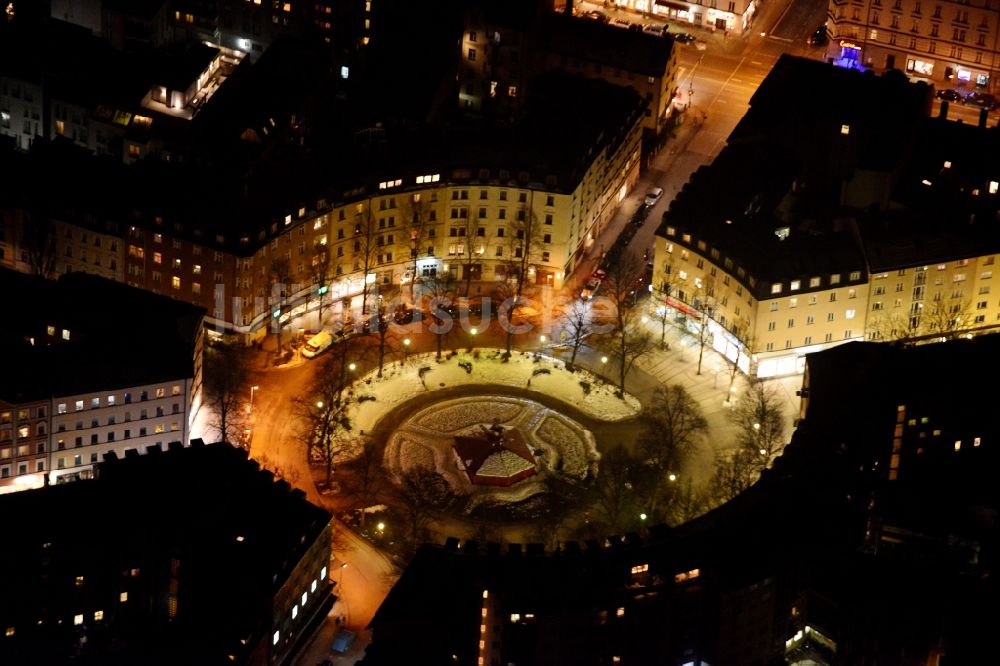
[(38, 241), (323, 410), (760, 425), (226, 375), (937, 319), (673, 427), (368, 244), (613, 488), (440, 291), (321, 273), (422, 490), (522, 248), (367, 478), (415, 218), (744, 348), (281, 272), (629, 341), (733, 472), (578, 325), (381, 329)]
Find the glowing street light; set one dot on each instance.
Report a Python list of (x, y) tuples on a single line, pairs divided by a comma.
[(253, 389), (319, 404), (380, 527), (672, 477), (604, 359), (642, 516), (543, 339), (352, 367), (474, 330), (406, 342)]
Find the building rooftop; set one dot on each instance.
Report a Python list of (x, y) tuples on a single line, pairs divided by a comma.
[(118, 336), (596, 41), (234, 533)]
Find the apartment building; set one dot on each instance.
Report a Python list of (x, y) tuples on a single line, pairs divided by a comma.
[(505, 45), (94, 367), (460, 213), (950, 43), (236, 572), (848, 240)]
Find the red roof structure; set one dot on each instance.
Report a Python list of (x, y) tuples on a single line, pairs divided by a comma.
[(494, 457)]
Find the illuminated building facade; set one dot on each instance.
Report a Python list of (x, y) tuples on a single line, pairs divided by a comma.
[(735, 16), (949, 43), (73, 390), (858, 238)]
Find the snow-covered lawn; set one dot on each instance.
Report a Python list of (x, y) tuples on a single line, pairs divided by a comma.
[(561, 446), (403, 381)]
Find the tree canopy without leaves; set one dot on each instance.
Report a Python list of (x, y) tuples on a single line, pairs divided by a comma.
[(226, 373), (323, 410), (629, 341), (760, 425), (673, 427)]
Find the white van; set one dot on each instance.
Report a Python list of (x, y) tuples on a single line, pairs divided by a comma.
[(317, 344)]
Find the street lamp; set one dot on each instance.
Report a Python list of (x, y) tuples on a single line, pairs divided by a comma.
[(319, 404), (474, 330), (642, 516), (352, 367), (253, 389), (672, 477), (604, 359)]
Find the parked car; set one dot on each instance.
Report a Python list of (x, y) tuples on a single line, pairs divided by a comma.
[(682, 37), (597, 16), (346, 332), (950, 95), (317, 344), (621, 23), (593, 284), (819, 37), (653, 196), (982, 100), (403, 314), (343, 641), (658, 30)]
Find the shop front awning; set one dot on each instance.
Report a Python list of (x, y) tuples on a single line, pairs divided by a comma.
[(672, 5), (677, 305)]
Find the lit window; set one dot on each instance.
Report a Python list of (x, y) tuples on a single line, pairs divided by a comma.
[(322, 573), (123, 597), (849, 314), (10, 631), (98, 615), (994, 185), (274, 639), (515, 617), (295, 611), (78, 619), (795, 285), (620, 612), (312, 586), (175, 282), (65, 334), (305, 597), (640, 568), (776, 288), (947, 164), (79, 581), (976, 441), (845, 129)]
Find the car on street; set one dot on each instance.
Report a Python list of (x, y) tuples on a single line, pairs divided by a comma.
[(653, 196), (403, 314), (658, 30), (982, 100), (682, 37), (593, 284), (950, 95), (317, 344), (345, 332), (597, 16), (621, 23), (818, 38)]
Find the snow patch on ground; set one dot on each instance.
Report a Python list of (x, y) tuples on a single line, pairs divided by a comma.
[(562, 446), (405, 380)]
